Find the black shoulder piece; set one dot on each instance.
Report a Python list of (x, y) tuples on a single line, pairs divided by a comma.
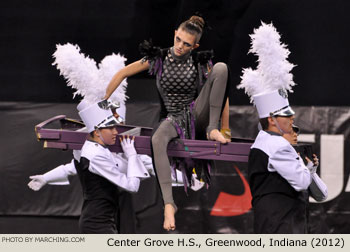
[(148, 50), (203, 57), (82, 165), (203, 61)]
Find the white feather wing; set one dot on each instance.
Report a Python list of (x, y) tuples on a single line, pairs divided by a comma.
[(79, 71), (82, 74), (108, 67)]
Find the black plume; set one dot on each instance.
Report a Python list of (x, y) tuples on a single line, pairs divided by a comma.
[(148, 50), (204, 56)]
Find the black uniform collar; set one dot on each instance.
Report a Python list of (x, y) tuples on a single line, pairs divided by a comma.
[(272, 133)]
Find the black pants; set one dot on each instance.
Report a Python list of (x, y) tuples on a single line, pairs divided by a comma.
[(126, 217), (278, 213), (98, 216)]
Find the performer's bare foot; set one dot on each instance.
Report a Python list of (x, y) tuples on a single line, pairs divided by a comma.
[(215, 135), (169, 217)]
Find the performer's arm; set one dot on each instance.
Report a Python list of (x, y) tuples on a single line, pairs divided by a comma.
[(147, 162), (291, 167), (57, 176), (145, 159), (136, 167), (318, 189), (105, 166), (129, 70)]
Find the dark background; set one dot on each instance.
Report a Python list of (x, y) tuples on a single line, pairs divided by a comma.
[(316, 32)]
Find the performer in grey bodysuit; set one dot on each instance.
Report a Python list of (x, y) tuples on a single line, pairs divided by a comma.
[(179, 118), (193, 93)]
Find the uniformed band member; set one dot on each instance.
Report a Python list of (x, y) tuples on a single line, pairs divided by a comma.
[(60, 176), (102, 174), (277, 174)]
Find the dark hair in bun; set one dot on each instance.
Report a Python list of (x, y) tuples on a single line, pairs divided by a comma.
[(194, 26)]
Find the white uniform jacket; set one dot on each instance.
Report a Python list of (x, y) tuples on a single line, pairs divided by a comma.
[(283, 159), (115, 167)]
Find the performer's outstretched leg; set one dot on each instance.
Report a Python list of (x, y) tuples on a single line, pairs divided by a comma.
[(208, 113), (160, 140)]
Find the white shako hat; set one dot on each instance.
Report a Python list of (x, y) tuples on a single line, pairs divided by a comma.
[(268, 84), (274, 103), (97, 115)]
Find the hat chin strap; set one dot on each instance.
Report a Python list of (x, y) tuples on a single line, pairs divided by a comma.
[(277, 125), (101, 138)]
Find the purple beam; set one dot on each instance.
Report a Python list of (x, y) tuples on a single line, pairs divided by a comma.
[(199, 149)]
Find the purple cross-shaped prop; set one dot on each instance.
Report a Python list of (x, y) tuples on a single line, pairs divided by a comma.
[(69, 137)]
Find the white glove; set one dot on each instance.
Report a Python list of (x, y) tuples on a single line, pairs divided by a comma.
[(312, 165), (178, 180), (147, 162), (128, 146), (318, 189), (196, 184), (37, 182)]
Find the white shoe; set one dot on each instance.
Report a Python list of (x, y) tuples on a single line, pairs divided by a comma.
[(196, 184), (178, 180)]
